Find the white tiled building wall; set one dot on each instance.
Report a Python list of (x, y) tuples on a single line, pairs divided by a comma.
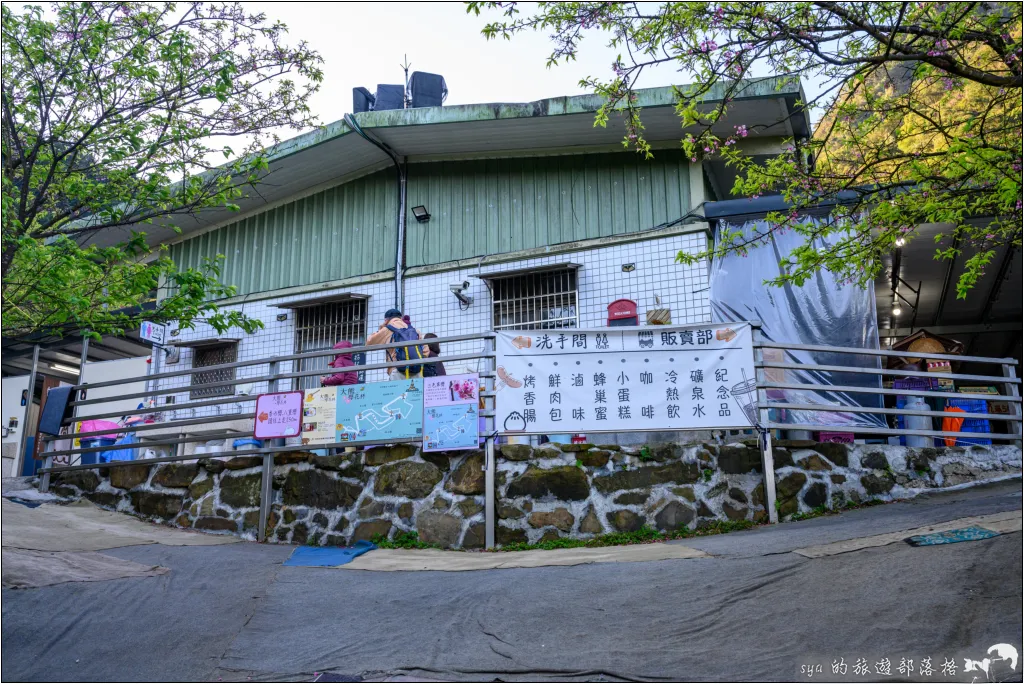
[(433, 308)]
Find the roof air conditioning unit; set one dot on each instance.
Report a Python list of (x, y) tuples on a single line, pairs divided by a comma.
[(389, 97), (428, 90), (362, 100)]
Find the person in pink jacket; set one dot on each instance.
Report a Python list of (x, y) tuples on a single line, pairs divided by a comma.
[(341, 361)]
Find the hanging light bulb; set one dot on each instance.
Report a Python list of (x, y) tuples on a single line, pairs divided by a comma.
[(900, 242), (896, 309)]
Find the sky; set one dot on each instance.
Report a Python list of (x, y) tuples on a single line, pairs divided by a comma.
[(364, 44)]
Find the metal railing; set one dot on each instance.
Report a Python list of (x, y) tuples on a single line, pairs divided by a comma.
[(178, 429), (180, 432), (1007, 380)]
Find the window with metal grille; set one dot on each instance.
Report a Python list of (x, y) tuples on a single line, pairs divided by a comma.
[(213, 355), (535, 301), (321, 327)]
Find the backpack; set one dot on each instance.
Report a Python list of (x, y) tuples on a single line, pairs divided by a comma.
[(409, 353)]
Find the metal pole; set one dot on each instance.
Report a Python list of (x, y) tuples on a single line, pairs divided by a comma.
[(489, 458), (155, 352), (765, 435), (266, 494), (1010, 388), (83, 359), (19, 462), (44, 485), (267, 477)]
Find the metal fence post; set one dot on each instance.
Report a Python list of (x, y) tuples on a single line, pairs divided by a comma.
[(1010, 388), (19, 462), (44, 484), (765, 434), (267, 479), (489, 457)]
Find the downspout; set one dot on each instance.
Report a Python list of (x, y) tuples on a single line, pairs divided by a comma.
[(400, 242)]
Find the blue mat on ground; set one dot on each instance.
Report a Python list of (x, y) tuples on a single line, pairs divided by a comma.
[(328, 556), (30, 504), (952, 536)]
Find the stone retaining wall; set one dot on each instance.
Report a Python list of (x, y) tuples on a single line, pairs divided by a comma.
[(543, 492)]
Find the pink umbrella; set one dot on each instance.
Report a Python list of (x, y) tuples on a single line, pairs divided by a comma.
[(97, 425)]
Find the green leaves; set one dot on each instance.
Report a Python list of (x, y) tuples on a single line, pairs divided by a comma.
[(114, 116), (920, 114)]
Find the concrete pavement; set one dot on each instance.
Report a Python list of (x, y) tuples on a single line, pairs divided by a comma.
[(750, 610)]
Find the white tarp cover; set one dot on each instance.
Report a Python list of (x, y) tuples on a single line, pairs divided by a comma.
[(82, 526), (24, 569), (822, 311)]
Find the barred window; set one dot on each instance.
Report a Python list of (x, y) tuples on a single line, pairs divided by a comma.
[(535, 301), (212, 355), (321, 327)]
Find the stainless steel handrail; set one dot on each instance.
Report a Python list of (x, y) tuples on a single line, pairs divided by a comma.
[(290, 357), (995, 379), (179, 389), (853, 389), (883, 352)]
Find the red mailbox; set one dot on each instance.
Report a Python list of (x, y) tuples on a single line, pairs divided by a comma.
[(622, 312)]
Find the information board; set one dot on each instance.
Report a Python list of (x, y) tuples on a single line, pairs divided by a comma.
[(380, 411), (613, 379), (278, 414), (451, 412), (319, 424)]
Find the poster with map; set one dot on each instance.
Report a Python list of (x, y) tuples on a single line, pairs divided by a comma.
[(380, 411), (451, 412)]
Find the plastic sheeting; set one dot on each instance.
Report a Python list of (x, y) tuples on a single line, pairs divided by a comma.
[(821, 311)]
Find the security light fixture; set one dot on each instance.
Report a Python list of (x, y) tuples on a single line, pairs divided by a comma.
[(282, 317), (421, 213), (628, 268)]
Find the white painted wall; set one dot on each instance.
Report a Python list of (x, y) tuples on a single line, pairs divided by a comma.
[(11, 408), (102, 371), (433, 308)]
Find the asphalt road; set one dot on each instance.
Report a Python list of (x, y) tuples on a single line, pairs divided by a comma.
[(752, 611)]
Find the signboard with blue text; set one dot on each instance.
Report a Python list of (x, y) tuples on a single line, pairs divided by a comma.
[(695, 377), (380, 411)]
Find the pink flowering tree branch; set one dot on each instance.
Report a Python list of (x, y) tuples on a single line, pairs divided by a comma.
[(115, 115), (920, 115)]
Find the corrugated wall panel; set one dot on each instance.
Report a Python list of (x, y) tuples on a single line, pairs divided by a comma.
[(338, 233), (500, 205), (478, 207)]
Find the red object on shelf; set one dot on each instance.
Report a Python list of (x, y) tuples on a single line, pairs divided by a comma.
[(578, 439), (835, 437), (622, 312)]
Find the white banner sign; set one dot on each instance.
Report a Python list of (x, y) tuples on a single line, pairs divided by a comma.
[(619, 379)]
